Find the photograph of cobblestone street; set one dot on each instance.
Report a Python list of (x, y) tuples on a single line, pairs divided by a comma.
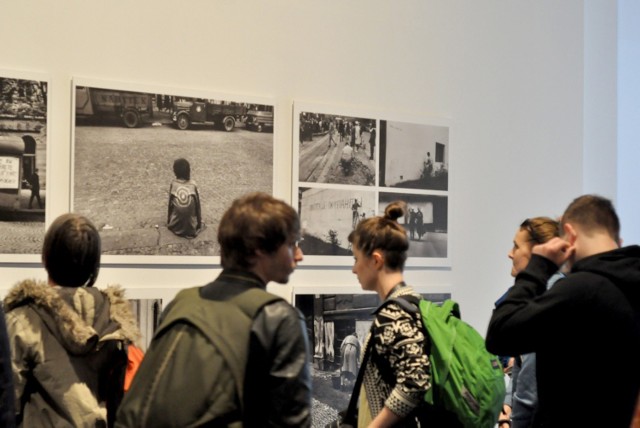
[(123, 175)]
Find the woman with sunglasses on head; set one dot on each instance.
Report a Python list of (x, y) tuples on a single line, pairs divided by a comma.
[(396, 371), (519, 409)]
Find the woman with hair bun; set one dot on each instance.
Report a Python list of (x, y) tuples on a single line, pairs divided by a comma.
[(397, 373)]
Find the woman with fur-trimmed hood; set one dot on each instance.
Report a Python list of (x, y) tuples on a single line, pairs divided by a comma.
[(68, 339)]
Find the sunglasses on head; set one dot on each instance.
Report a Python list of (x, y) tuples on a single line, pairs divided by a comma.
[(528, 226)]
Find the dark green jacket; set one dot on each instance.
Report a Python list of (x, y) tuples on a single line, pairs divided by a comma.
[(194, 371)]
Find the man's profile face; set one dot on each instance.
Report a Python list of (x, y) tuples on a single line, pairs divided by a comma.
[(280, 264)]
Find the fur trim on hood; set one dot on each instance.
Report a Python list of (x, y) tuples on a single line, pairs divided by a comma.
[(64, 321)]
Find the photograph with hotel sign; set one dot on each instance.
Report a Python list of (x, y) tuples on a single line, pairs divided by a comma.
[(23, 164), (349, 165)]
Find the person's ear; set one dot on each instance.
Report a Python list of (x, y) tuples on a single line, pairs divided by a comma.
[(259, 254), (570, 233), (378, 259)]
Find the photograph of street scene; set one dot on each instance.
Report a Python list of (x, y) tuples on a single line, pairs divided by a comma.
[(328, 215), (155, 171), (336, 149), (414, 156), (23, 164), (385, 161), (337, 326)]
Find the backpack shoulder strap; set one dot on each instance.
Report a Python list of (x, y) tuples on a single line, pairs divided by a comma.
[(407, 302), (352, 410), (253, 300)]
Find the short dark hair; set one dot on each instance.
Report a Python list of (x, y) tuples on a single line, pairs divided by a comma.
[(256, 221), (593, 212), (71, 251), (384, 233), (182, 169)]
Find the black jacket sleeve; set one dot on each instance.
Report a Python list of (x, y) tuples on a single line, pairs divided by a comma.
[(524, 311), (277, 381)]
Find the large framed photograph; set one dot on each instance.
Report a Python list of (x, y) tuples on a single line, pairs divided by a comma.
[(337, 325), (24, 154), (154, 168), (349, 164)]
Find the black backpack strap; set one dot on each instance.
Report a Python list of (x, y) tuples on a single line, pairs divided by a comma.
[(351, 414), (113, 381), (251, 301), (408, 302)]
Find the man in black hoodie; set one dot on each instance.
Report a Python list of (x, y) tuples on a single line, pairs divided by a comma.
[(585, 330)]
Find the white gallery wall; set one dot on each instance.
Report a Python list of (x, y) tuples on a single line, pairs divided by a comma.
[(628, 126), (508, 75)]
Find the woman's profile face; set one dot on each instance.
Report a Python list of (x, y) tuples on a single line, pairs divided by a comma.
[(364, 268), (521, 251)]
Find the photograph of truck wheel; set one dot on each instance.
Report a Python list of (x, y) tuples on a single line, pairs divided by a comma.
[(183, 122), (229, 123), (131, 119)]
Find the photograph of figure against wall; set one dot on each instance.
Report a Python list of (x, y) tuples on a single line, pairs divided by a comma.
[(154, 170), (426, 222), (414, 156), (23, 162), (335, 149), (337, 326), (328, 215)]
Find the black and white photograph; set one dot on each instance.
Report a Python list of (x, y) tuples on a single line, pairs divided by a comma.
[(337, 326), (426, 222), (23, 162), (155, 168), (147, 314), (407, 160), (414, 156), (328, 215), (336, 149)]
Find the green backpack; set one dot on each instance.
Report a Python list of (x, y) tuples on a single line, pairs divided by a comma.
[(467, 380)]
